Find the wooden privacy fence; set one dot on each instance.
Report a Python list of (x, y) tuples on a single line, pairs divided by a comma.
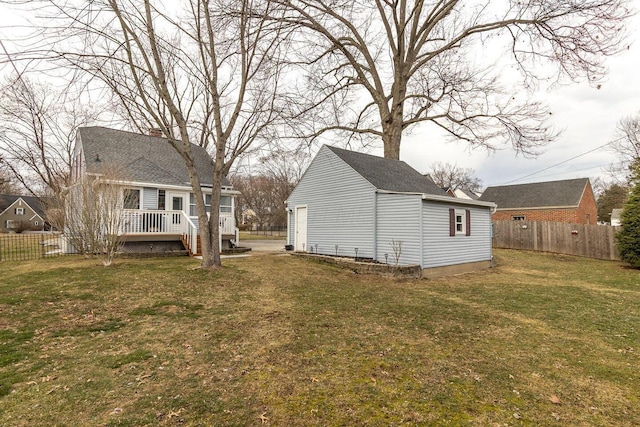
[(592, 241)]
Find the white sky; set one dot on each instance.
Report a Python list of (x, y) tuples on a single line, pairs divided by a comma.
[(587, 115)]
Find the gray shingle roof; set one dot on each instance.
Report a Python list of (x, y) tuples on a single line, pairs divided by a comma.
[(388, 174), (147, 159), (565, 193)]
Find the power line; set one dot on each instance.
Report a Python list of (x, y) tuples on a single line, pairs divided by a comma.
[(563, 162)]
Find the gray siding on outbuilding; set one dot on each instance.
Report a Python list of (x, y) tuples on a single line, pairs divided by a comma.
[(441, 249), (398, 219), (340, 205), (353, 200)]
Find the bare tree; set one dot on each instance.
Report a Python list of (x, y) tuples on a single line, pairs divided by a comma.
[(446, 175), (37, 133), (265, 186), (381, 67), (626, 146), (263, 196), (7, 185), (203, 72)]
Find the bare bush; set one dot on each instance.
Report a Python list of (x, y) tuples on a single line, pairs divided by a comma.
[(92, 213)]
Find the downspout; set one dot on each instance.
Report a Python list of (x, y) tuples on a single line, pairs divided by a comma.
[(286, 204), (421, 232), (375, 225)]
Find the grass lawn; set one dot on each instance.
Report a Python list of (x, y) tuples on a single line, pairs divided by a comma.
[(541, 340)]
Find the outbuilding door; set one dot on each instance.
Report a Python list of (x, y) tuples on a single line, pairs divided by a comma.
[(301, 229)]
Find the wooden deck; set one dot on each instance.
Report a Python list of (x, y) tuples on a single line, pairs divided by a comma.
[(160, 225)]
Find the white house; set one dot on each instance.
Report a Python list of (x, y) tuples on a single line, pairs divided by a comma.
[(158, 202), (615, 217), (358, 205)]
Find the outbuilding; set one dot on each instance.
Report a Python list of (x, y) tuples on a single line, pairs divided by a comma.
[(358, 205)]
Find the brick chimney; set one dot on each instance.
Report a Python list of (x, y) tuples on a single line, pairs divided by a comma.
[(155, 132)]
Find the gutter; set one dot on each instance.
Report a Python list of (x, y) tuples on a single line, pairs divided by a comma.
[(444, 199), (186, 187), (525, 208)]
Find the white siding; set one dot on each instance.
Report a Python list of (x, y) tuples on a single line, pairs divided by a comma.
[(291, 228), (339, 207), (399, 219), (440, 249)]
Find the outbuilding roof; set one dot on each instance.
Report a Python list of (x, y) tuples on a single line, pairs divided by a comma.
[(145, 158), (388, 174), (564, 193)]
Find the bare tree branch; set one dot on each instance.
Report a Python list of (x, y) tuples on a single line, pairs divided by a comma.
[(420, 61)]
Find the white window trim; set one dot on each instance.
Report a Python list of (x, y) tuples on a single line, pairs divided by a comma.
[(140, 195), (462, 214), (12, 223)]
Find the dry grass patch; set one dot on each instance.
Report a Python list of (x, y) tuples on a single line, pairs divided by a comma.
[(280, 340)]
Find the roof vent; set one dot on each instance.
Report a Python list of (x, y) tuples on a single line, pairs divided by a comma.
[(97, 160)]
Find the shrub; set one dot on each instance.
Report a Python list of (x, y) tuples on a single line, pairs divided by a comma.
[(629, 234)]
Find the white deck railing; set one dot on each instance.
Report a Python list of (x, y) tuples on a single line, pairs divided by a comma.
[(145, 222), (227, 225), (154, 222)]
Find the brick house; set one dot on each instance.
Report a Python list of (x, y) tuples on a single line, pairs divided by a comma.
[(570, 200)]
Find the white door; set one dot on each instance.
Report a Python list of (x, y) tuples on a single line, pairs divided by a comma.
[(175, 202), (301, 229)]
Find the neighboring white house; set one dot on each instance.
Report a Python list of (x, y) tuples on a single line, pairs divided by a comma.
[(615, 217), (461, 193), (159, 206), (347, 202)]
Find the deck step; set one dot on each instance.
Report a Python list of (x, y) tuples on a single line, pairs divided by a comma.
[(187, 245)]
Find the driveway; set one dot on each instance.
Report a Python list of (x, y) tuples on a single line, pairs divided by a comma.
[(264, 245)]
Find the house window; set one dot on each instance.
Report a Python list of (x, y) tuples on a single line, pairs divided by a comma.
[(225, 204), (19, 211), (162, 197), (36, 223), (176, 203), (192, 205), (518, 218), (131, 198), (459, 222), (11, 223), (207, 203)]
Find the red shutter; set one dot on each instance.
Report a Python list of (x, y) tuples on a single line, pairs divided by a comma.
[(468, 215), (452, 222)]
